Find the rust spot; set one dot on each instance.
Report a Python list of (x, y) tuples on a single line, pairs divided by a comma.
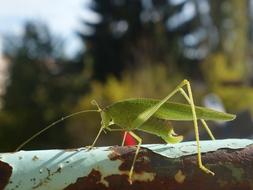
[(35, 158), (165, 168), (58, 170), (48, 178), (90, 182), (117, 181), (45, 181), (5, 174), (126, 155)]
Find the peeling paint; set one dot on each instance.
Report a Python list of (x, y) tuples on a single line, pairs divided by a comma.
[(180, 177), (88, 182), (126, 156), (143, 177), (35, 158), (190, 148)]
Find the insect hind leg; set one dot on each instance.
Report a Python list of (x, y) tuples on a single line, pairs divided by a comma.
[(207, 129), (189, 99), (144, 116)]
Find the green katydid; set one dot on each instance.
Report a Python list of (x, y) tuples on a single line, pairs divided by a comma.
[(151, 116)]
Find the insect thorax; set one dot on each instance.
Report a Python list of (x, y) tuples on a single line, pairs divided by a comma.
[(106, 118)]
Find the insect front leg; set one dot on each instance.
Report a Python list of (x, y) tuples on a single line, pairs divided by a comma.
[(139, 140), (189, 98), (94, 142)]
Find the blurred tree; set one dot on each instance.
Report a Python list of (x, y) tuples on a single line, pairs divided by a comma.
[(191, 21), (37, 93), (106, 45), (134, 33), (226, 71), (232, 21)]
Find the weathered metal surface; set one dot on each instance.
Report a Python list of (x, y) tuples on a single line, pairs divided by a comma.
[(157, 167), (5, 174)]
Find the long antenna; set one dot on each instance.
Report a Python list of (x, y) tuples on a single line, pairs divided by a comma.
[(51, 125)]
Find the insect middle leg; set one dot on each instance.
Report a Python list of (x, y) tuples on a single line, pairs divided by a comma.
[(99, 133), (124, 138), (139, 140)]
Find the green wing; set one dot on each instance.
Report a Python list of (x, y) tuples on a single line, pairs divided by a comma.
[(129, 109)]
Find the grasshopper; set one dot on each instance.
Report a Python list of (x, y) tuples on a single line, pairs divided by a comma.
[(150, 115)]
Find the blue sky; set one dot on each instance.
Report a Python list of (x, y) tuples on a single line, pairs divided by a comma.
[(62, 16)]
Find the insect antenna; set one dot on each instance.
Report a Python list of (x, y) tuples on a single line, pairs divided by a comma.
[(94, 102), (53, 124)]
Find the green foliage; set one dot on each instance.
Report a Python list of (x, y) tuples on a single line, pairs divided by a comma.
[(236, 98), (156, 79), (226, 71), (218, 69), (227, 80)]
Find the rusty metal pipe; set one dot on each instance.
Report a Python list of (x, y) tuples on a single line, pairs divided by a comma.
[(158, 166)]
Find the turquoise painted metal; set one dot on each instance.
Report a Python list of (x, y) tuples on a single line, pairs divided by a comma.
[(189, 148)]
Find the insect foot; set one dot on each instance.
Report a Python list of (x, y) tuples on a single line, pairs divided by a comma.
[(130, 176), (89, 147), (206, 170)]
